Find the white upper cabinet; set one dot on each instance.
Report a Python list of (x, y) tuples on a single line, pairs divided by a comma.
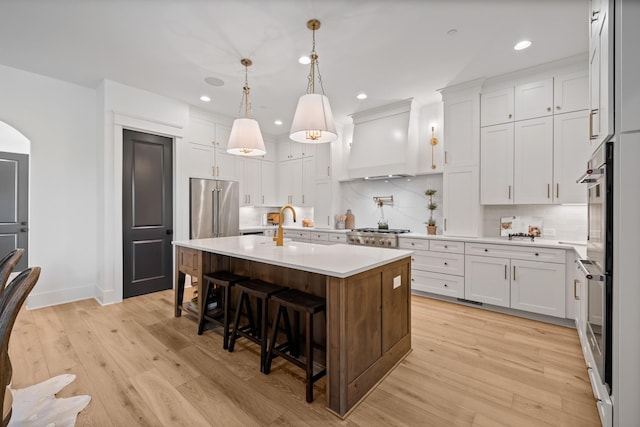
[(570, 155), (533, 165), (534, 99), (571, 92), (496, 165), (461, 130), (497, 107), (268, 183), (250, 193), (208, 155), (600, 74), (323, 161)]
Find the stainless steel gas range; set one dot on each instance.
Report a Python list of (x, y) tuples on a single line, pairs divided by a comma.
[(382, 238)]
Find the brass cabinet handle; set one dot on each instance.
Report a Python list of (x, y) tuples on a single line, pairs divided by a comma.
[(445, 224), (303, 199), (548, 191), (263, 200), (509, 192), (445, 157), (213, 171), (591, 114), (510, 115), (557, 190), (505, 272), (514, 272), (328, 170)]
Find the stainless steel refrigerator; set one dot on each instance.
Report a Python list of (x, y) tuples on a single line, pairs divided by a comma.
[(214, 208)]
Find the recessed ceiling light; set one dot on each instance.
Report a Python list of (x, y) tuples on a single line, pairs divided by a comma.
[(205, 98), (522, 45), (214, 81), (452, 32), (362, 96), (304, 60), (278, 123)]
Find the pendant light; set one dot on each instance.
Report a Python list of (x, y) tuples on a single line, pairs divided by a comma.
[(245, 138), (313, 120)]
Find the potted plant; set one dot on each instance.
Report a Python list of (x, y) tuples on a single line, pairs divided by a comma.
[(432, 206)]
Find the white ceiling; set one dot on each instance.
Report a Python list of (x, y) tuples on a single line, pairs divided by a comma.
[(391, 50)]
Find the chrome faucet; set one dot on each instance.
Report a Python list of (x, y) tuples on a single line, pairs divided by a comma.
[(279, 237)]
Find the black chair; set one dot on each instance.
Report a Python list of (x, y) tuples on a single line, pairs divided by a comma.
[(12, 299), (217, 286), (299, 302), (7, 264), (262, 291)]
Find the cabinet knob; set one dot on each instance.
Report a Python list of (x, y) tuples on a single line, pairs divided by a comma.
[(537, 254), (446, 286), (413, 280), (558, 107), (445, 263), (486, 250), (510, 115), (446, 247), (413, 244), (548, 108)]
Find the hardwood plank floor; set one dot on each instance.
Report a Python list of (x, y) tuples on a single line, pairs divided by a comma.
[(142, 366)]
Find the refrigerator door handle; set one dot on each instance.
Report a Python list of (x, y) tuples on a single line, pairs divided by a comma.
[(218, 213)]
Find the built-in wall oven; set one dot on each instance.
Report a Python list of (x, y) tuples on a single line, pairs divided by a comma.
[(599, 263)]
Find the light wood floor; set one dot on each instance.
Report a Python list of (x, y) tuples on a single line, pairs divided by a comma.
[(142, 366)]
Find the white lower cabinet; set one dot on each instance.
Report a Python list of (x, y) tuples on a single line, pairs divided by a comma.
[(436, 267), (508, 276), (538, 287), (487, 280)]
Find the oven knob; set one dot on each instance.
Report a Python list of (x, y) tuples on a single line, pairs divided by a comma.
[(389, 243)]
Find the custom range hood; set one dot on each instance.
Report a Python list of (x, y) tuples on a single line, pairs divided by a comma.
[(385, 142)]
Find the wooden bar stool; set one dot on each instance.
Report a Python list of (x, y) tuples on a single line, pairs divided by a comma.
[(299, 302), (262, 291), (222, 281)]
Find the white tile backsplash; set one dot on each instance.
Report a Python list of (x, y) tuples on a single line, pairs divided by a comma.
[(409, 208), (568, 222)]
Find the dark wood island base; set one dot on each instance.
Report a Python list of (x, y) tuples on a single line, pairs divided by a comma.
[(368, 324)]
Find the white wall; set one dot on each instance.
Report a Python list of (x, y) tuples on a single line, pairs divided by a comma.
[(409, 208), (568, 222), (12, 141), (60, 121)]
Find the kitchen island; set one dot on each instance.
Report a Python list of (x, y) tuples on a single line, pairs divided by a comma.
[(368, 315)]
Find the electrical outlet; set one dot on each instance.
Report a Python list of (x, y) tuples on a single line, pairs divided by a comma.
[(397, 281), (550, 232)]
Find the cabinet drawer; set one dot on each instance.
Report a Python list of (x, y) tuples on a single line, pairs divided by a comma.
[(319, 236), (410, 243), (297, 235), (438, 262), (446, 246), (441, 284), (337, 237), (188, 260), (516, 252)]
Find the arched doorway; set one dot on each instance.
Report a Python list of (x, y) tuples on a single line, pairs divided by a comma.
[(14, 192)]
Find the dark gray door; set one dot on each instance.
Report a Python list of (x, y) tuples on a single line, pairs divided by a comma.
[(14, 205), (147, 213)]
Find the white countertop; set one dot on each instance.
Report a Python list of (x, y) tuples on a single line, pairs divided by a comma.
[(579, 247), (289, 227), (338, 260)]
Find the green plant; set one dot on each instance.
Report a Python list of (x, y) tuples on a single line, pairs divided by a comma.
[(432, 206)]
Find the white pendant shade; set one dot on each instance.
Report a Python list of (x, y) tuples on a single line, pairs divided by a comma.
[(313, 120), (245, 138)]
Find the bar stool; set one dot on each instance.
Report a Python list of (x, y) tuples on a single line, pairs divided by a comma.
[(224, 281), (262, 291), (299, 302)]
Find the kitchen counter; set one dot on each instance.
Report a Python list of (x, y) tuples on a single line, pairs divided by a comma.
[(338, 260), (291, 227), (579, 247), (367, 290)]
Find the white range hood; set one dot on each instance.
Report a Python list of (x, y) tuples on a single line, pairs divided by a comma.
[(385, 142)]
